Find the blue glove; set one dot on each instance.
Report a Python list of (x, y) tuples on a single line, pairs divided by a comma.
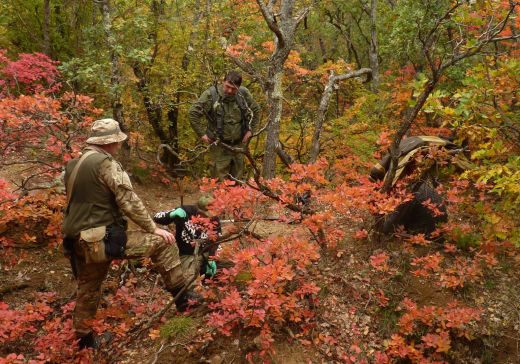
[(167, 217), (211, 268), (179, 212)]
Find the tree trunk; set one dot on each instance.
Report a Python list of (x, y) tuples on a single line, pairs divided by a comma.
[(283, 24), (324, 105), (153, 110), (115, 77), (373, 49), (346, 31), (352, 49), (272, 142), (197, 16), (320, 117), (46, 27), (403, 129), (173, 132), (173, 111)]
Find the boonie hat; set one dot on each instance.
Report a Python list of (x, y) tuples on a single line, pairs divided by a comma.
[(105, 131)]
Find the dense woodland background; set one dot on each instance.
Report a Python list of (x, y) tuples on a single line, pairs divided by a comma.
[(340, 83)]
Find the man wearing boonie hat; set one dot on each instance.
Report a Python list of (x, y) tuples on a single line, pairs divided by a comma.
[(100, 198)]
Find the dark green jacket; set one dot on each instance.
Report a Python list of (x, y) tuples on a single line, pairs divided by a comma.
[(203, 121)]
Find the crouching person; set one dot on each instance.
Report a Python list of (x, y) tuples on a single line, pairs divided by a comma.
[(194, 223), (100, 197)]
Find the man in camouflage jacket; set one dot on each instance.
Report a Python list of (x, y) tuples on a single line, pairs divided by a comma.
[(225, 114), (100, 198)]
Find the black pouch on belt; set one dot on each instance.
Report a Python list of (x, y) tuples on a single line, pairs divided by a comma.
[(68, 245), (68, 251), (115, 241)]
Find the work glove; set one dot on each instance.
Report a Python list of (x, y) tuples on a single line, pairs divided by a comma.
[(167, 217), (211, 268)]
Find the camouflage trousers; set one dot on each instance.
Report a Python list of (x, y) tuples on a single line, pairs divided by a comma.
[(190, 267), (91, 274), (224, 162)]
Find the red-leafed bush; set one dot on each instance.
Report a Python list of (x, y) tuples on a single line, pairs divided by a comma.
[(30, 73)]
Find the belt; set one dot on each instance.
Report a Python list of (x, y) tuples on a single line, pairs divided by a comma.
[(231, 142)]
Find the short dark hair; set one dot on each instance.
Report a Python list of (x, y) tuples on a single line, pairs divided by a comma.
[(234, 77)]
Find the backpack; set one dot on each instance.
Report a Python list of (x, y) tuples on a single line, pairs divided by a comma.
[(218, 116)]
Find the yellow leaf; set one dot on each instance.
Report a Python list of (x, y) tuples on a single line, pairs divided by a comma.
[(154, 334)]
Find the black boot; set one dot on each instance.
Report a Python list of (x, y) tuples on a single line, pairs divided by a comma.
[(91, 341), (183, 302), (87, 342)]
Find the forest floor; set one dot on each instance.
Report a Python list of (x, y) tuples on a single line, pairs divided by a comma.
[(347, 320)]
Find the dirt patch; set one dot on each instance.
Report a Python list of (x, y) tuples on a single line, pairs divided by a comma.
[(14, 172), (39, 270)]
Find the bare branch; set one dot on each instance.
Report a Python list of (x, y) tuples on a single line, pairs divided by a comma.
[(487, 37), (447, 15), (250, 70), (356, 73), (324, 104), (501, 39), (271, 21), (358, 23), (364, 7), (302, 14)]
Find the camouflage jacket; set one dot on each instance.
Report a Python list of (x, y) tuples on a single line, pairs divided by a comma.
[(202, 115), (112, 179)]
